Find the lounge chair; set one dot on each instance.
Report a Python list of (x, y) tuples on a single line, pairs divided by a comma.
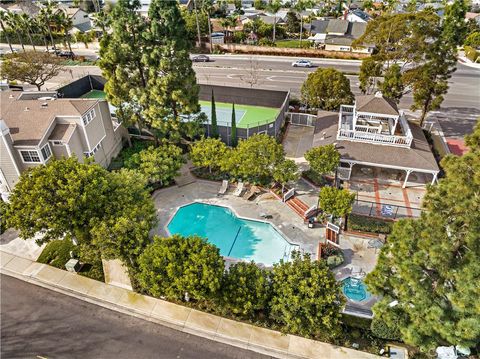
[(238, 192), (224, 187), (254, 190)]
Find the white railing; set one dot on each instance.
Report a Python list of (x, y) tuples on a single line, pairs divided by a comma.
[(368, 129), (333, 227), (350, 135), (405, 127), (347, 109)]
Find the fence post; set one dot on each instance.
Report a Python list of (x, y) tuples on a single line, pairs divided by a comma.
[(395, 217)]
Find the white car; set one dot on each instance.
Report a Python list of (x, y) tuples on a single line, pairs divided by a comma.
[(301, 63)]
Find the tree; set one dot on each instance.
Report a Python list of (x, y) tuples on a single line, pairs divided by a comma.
[(3, 22), (427, 272), (32, 67), (26, 23), (196, 23), (45, 17), (473, 39), (286, 171), (208, 152), (306, 298), (327, 89), (158, 164), (85, 37), (65, 24), (102, 20), (323, 159), (245, 289), (233, 134), (274, 6), (293, 22), (14, 22), (259, 5), (107, 213), (174, 266), (300, 7), (392, 84), (369, 71), (337, 202), (255, 158), (213, 119)]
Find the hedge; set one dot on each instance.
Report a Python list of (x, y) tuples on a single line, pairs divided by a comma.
[(369, 224), (382, 331)]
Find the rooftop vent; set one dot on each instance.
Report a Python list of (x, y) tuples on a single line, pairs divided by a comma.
[(45, 105), (378, 94), (27, 109), (11, 96)]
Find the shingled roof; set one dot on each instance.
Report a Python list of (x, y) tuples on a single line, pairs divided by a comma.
[(376, 104)]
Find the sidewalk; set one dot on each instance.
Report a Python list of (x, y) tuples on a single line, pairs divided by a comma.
[(172, 315)]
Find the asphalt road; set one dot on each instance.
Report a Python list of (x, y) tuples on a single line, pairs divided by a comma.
[(39, 323)]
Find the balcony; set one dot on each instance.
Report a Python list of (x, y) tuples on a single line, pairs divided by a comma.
[(372, 134)]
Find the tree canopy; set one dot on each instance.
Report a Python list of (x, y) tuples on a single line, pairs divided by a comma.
[(323, 159), (177, 265), (337, 202), (327, 89), (208, 152), (34, 68), (306, 298), (286, 171), (427, 273), (101, 210)]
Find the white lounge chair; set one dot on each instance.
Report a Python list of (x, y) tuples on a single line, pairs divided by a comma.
[(223, 187), (239, 190)]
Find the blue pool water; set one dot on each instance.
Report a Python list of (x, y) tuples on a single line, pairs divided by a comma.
[(236, 237), (354, 289)]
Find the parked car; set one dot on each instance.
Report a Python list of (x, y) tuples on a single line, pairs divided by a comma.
[(201, 58), (53, 51), (301, 63), (68, 54)]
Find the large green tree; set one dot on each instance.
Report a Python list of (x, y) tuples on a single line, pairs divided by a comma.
[(392, 85), (173, 266), (245, 289), (158, 164), (110, 213), (337, 202), (327, 89), (209, 153), (323, 159), (255, 158), (428, 271), (286, 171), (306, 298)]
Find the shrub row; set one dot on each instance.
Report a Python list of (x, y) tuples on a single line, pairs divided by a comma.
[(368, 224)]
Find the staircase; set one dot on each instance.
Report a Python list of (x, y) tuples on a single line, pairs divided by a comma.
[(298, 206)]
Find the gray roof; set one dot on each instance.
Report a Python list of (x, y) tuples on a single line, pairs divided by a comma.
[(337, 26), (319, 26), (62, 132), (361, 14), (84, 26), (357, 29), (270, 19), (338, 40), (418, 156), (376, 104), (28, 121)]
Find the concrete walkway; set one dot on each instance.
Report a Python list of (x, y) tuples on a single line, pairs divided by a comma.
[(172, 315)]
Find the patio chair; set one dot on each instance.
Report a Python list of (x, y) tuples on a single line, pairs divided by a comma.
[(223, 187), (238, 192), (249, 195)]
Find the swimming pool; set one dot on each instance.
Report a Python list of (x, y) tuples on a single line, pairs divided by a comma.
[(354, 289), (235, 237)]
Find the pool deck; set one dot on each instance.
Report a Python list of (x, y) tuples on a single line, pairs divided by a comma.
[(168, 200)]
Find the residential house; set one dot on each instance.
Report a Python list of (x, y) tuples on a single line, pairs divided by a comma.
[(375, 133), (37, 126), (338, 35), (21, 7), (80, 19), (357, 15)]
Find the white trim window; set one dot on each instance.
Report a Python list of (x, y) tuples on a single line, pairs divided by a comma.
[(56, 143), (88, 117), (46, 152), (30, 156), (95, 150)]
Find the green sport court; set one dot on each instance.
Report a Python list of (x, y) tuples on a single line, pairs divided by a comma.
[(245, 115)]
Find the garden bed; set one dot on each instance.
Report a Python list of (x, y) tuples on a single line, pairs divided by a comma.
[(358, 223), (57, 254), (317, 179)]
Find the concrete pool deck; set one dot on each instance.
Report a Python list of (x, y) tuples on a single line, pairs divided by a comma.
[(168, 200)]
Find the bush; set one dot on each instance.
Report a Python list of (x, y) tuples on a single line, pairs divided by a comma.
[(334, 261), (126, 153), (316, 178), (382, 331), (266, 42), (471, 53), (369, 224)]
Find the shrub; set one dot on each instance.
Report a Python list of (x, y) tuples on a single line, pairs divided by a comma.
[(57, 253), (316, 178), (126, 153), (381, 330), (334, 261), (368, 224), (266, 42), (471, 53)]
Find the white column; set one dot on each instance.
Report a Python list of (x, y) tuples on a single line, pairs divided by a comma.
[(434, 178), (395, 122), (406, 178)]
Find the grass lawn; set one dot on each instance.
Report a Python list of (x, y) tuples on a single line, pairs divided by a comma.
[(294, 44), (57, 254), (95, 94), (246, 115)]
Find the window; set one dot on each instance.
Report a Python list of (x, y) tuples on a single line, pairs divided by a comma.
[(46, 153), (89, 116), (57, 143), (30, 156), (92, 152)]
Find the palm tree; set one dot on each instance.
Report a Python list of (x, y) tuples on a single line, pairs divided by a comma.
[(65, 24), (198, 23), (274, 6), (26, 23), (300, 7), (3, 21), (207, 7), (102, 20), (47, 14), (14, 21)]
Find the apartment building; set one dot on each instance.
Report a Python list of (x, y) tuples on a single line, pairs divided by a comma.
[(36, 127)]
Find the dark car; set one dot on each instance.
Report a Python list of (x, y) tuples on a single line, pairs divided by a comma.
[(201, 58), (67, 54)]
